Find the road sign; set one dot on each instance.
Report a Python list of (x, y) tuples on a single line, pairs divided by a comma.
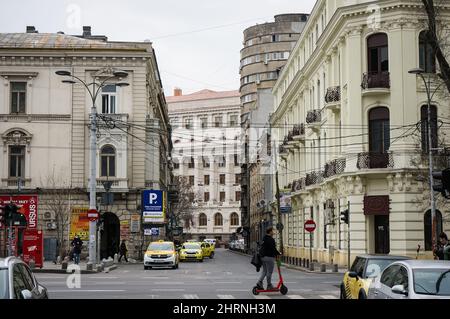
[(93, 215), (153, 206), (310, 226)]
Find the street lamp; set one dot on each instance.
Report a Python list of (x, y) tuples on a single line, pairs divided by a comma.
[(430, 95), (94, 89)]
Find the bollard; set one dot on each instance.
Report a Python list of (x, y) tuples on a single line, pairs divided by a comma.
[(100, 268), (58, 260), (323, 268), (311, 266), (116, 258), (64, 265), (89, 266), (307, 263), (335, 268)]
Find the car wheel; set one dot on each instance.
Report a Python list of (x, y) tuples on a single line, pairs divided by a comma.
[(146, 268), (362, 295), (201, 260), (343, 294), (211, 256), (177, 266)]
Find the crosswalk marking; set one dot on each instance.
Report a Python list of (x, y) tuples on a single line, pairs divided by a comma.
[(328, 297), (262, 297), (226, 297), (190, 297), (295, 297)]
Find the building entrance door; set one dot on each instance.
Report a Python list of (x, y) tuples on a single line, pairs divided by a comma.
[(110, 236), (382, 238)]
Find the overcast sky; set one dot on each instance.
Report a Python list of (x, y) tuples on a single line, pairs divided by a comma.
[(188, 58)]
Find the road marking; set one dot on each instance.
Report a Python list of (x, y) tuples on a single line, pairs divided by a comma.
[(191, 297), (328, 297), (105, 283), (94, 277), (301, 290), (226, 297), (262, 297), (290, 282), (79, 290), (228, 282), (161, 278), (295, 297), (177, 283), (154, 296), (232, 290), (168, 289)]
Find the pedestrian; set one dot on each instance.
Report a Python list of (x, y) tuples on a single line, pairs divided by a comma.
[(77, 245), (269, 254), (123, 251), (442, 251)]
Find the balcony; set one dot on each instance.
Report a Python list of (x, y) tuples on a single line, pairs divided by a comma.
[(371, 160), (314, 178), (298, 185), (314, 118), (113, 120), (333, 98), (117, 184), (283, 151), (298, 132), (334, 168), (376, 83)]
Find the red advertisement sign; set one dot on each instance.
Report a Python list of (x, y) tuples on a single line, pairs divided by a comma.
[(28, 206), (33, 244)]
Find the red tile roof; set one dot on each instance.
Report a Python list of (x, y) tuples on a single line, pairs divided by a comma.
[(202, 95)]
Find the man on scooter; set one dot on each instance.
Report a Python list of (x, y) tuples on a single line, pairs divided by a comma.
[(269, 254)]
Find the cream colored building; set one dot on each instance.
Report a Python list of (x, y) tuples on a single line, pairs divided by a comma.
[(206, 139), (347, 123), (45, 134)]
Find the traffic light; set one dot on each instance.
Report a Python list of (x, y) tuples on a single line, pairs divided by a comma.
[(345, 216), (443, 184)]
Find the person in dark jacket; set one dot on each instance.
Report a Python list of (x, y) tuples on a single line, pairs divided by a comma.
[(77, 245), (442, 252), (269, 255), (123, 251)]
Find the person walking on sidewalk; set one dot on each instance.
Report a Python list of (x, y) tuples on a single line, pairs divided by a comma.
[(77, 245), (269, 254), (123, 251)]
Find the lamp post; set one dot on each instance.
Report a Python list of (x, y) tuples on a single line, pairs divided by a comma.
[(430, 95), (94, 88)]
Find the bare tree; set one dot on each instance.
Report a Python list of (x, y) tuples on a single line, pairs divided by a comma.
[(182, 210), (438, 37)]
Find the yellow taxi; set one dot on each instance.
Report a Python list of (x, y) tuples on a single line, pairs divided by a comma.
[(208, 250), (191, 251), (161, 254), (364, 270)]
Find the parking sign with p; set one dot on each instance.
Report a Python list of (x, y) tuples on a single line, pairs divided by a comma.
[(153, 206)]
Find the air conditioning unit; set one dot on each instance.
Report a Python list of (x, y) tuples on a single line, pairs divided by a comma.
[(49, 216), (51, 226)]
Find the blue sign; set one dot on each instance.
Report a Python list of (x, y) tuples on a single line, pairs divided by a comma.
[(155, 231), (153, 206)]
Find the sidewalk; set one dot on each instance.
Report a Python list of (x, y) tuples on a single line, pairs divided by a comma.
[(341, 270), (52, 268)]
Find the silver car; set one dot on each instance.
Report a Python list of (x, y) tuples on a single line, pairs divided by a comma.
[(413, 279), (18, 282)]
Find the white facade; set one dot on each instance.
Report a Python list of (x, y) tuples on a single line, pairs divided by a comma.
[(347, 129), (206, 140)]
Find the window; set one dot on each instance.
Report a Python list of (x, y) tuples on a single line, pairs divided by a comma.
[(237, 179), (108, 161), (218, 219), (191, 163), (188, 124), (425, 126), (176, 165), (222, 161), (222, 179), (427, 58), (202, 220), (17, 161), (275, 38), (238, 196), (234, 219), (379, 130), (206, 197), (109, 99), (358, 266), (378, 53), (222, 197), (191, 180), (233, 120), (204, 122), (218, 121), (205, 161), (389, 275), (236, 160), (19, 283), (401, 278), (191, 197), (18, 97), (428, 231), (207, 180)]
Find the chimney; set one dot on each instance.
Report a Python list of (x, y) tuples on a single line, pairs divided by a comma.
[(177, 92), (31, 29), (87, 31)]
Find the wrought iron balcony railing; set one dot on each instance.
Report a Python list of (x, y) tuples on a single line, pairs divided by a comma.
[(372, 160), (376, 80), (333, 94), (314, 178), (335, 167), (298, 130), (298, 185), (314, 116)]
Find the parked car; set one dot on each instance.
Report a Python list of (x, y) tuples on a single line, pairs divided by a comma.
[(18, 282), (240, 245), (232, 245), (161, 254), (364, 270), (413, 279)]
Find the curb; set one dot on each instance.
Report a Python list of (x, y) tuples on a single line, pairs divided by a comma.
[(108, 269), (294, 267), (60, 271)]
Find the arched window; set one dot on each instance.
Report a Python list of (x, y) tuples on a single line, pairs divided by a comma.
[(234, 219), (202, 220), (427, 58), (427, 227), (379, 130), (108, 161), (378, 53), (424, 127), (218, 219)]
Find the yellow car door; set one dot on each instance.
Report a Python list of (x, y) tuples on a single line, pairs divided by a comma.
[(205, 250), (354, 280)]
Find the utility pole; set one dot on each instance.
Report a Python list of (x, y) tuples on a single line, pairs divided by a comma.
[(348, 239), (279, 224)]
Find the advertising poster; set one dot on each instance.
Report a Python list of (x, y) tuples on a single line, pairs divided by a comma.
[(285, 203), (79, 224), (28, 206), (124, 230), (135, 224), (33, 243)]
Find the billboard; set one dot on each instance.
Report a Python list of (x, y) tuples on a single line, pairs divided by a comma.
[(33, 247), (79, 224), (28, 206), (285, 203), (154, 206)]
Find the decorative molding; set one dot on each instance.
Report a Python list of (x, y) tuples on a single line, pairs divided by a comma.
[(16, 136)]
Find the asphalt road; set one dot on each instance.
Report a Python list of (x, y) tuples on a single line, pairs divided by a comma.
[(227, 276)]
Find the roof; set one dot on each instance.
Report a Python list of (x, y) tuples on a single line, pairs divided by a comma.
[(60, 41), (434, 264), (203, 95)]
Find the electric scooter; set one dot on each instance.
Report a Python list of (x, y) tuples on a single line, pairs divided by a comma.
[(281, 288)]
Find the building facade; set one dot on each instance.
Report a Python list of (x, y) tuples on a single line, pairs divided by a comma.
[(266, 49), (206, 140), (351, 128), (45, 132)]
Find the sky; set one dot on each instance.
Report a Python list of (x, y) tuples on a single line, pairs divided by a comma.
[(197, 42)]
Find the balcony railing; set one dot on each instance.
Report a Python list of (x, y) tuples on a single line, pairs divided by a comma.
[(298, 185), (373, 160), (333, 94), (282, 149), (314, 116), (298, 130), (334, 168), (314, 178), (375, 80)]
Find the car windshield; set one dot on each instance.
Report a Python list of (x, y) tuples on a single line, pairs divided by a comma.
[(376, 266), (160, 246), (3, 283), (191, 246), (432, 282)]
